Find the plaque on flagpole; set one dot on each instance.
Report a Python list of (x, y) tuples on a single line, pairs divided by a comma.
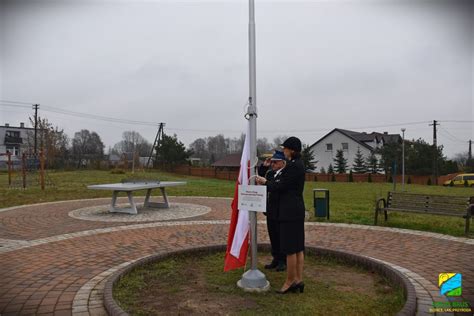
[(253, 198)]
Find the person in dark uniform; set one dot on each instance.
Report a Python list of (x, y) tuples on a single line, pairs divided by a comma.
[(272, 169), (291, 214)]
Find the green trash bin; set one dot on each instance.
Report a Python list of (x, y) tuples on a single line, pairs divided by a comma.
[(321, 204)]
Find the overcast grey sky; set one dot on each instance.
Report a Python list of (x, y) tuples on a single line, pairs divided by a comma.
[(320, 65)]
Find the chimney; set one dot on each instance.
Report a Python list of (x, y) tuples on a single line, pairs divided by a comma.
[(7, 125), (385, 133), (22, 125)]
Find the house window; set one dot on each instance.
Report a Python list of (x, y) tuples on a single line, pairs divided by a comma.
[(345, 146), (12, 134), (328, 147), (14, 150)]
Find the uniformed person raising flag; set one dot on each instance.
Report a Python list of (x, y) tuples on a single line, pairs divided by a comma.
[(291, 213), (272, 169)]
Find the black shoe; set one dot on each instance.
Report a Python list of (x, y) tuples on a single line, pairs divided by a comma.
[(300, 286), (271, 265), (281, 267), (292, 288)]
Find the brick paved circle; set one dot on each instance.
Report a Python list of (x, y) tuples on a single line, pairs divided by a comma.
[(394, 276), (174, 212), (53, 264)]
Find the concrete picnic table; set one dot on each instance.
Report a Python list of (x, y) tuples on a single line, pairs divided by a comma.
[(129, 187)]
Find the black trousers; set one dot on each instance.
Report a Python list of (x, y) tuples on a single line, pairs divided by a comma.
[(273, 227)]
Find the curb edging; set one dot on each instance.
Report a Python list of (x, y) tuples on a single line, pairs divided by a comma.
[(394, 276)]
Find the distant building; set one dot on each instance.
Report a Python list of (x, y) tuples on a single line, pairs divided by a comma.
[(143, 161), (229, 162), (325, 148), (13, 139), (114, 160), (194, 161)]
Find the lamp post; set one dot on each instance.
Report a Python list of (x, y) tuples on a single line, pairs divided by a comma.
[(403, 159)]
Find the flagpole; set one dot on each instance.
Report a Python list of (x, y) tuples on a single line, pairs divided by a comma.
[(253, 279), (252, 115)]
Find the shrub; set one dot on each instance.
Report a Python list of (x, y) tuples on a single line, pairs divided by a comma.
[(351, 177), (370, 178), (451, 183), (466, 184), (333, 178), (117, 171), (429, 181)]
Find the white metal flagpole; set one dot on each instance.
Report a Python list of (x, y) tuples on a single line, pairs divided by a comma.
[(253, 279)]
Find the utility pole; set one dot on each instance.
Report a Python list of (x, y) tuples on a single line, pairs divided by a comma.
[(435, 152), (403, 160), (253, 279), (36, 107), (158, 138), (133, 152), (469, 153)]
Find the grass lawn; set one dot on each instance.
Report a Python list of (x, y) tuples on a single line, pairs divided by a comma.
[(186, 284), (350, 202)]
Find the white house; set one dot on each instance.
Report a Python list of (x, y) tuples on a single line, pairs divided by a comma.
[(325, 148)]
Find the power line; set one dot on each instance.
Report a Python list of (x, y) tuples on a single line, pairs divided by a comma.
[(451, 135), (16, 105), (53, 109), (457, 121), (17, 102)]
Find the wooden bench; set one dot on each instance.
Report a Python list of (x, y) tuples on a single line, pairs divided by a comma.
[(427, 204)]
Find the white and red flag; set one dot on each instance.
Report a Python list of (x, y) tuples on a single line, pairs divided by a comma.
[(238, 238)]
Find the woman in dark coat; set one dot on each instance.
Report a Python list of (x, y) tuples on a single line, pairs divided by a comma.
[(291, 213)]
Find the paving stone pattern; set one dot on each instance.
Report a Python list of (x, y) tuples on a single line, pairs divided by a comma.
[(54, 264)]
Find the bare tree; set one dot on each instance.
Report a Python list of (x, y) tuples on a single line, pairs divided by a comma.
[(52, 140), (199, 149), (278, 140), (87, 147), (263, 146), (217, 147), (132, 141)]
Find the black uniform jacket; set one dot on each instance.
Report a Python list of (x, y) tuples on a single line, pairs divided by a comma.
[(289, 188), (272, 198)]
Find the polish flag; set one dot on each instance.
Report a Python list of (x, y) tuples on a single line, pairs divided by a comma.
[(238, 238)]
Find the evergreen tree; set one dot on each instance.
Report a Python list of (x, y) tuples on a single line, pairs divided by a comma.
[(307, 156), (330, 169), (323, 171), (351, 177), (171, 151), (372, 163), (340, 162), (391, 153), (359, 162)]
